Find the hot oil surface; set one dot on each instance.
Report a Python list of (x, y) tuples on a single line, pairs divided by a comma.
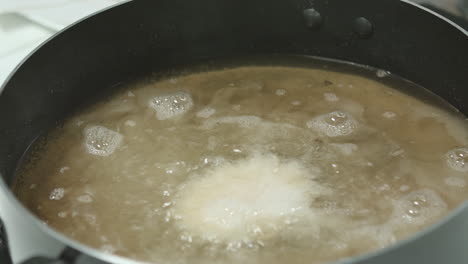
[(252, 164)]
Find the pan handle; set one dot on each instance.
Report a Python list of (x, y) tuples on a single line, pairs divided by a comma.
[(4, 252), (68, 256)]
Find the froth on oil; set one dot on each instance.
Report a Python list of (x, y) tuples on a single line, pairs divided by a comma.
[(252, 164)]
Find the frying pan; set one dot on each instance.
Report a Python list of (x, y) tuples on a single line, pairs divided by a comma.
[(91, 58)]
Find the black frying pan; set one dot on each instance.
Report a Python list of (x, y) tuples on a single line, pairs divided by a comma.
[(92, 58)]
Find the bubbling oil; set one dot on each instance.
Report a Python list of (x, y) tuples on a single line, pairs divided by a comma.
[(251, 164)]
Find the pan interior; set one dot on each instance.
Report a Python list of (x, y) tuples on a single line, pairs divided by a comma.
[(252, 161)]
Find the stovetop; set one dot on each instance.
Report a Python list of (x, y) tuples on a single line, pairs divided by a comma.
[(4, 255)]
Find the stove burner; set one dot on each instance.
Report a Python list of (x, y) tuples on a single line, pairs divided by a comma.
[(4, 253)]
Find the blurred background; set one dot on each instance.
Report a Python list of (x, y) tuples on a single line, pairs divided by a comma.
[(24, 24)]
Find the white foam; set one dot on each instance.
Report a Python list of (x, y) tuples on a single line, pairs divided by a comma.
[(389, 115), (130, 123), (171, 105), (57, 194), (334, 124), (101, 141), (62, 214), (419, 207), (206, 112), (331, 97), (404, 188), (454, 181), (236, 200), (280, 92), (64, 169), (397, 152), (457, 159)]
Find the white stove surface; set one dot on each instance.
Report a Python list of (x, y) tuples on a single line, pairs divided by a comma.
[(25, 24)]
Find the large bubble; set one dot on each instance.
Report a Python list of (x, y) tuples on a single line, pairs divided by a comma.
[(334, 124)]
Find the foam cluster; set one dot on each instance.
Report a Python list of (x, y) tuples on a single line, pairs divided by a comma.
[(334, 124), (171, 105), (420, 207), (245, 200), (457, 159), (101, 141)]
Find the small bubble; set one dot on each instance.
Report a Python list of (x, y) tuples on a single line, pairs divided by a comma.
[(84, 198), (382, 73), (90, 218), (57, 194), (389, 115), (422, 206), (171, 105), (62, 214), (336, 118), (397, 152), (334, 124), (330, 97), (64, 169), (296, 103), (130, 123), (457, 159), (280, 92), (404, 188)]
